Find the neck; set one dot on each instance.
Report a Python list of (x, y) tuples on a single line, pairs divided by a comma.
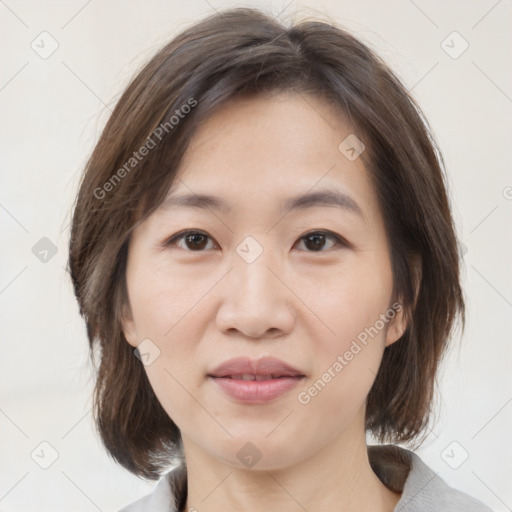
[(338, 478)]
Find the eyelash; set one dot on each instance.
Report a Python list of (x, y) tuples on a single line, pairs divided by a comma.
[(340, 241)]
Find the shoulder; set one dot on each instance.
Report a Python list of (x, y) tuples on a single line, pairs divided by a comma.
[(164, 496), (398, 468), (158, 501), (425, 490)]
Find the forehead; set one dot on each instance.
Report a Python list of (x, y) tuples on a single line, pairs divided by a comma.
[(269, 150)]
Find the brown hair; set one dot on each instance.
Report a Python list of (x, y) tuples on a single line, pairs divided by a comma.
[(245, 52)]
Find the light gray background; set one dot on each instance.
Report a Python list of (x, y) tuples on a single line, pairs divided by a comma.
[(52, 111)]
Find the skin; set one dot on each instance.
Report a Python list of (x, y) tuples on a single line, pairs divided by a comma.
[(201, 307)]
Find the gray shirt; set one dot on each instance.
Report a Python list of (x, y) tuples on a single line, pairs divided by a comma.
[(401, 470)]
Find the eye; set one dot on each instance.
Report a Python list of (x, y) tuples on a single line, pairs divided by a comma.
[(315, 240), (197, 241), (194, 241)]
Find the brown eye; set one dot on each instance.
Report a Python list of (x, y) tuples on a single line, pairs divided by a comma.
[(315, 241), (197, 241), (193, 241)]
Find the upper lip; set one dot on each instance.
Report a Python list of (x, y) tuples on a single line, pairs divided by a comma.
[(262, 366)]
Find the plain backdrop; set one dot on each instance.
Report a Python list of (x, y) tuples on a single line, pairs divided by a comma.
[(64, 65)]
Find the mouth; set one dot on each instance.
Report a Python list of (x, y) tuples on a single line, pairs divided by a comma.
[(255, 381), (250, 376), (265, 368), (255, 390)]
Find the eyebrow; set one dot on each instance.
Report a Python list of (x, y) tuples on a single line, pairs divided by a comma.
[(325, 198)]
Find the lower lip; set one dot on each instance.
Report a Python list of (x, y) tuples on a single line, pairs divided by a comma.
[(256, 391)]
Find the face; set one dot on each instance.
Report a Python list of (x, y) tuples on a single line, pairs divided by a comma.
[(255, 275)]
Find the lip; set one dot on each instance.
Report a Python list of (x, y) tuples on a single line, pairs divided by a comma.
[(264, 366), (281, 376)]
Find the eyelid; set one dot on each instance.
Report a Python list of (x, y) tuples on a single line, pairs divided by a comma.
[(340, 240), (172, 240)]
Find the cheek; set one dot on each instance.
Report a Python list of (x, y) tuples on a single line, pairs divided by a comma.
[(353, 303), (346, 362), (177, 373), (167, 310), (168, 316), (349, 350), (161, 299)]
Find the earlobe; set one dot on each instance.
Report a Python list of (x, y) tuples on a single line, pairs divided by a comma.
[(128, 326), (400, 321), (396, 328)]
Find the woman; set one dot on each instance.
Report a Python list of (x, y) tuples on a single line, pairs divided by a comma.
[(263, 250)]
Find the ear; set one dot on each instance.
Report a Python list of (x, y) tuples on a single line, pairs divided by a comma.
[(398, 323), (128, 326)]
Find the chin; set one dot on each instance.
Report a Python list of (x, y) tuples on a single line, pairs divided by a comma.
[(259, 451)]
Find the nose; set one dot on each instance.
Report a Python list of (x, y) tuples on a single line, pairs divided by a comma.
[(256, 301)]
